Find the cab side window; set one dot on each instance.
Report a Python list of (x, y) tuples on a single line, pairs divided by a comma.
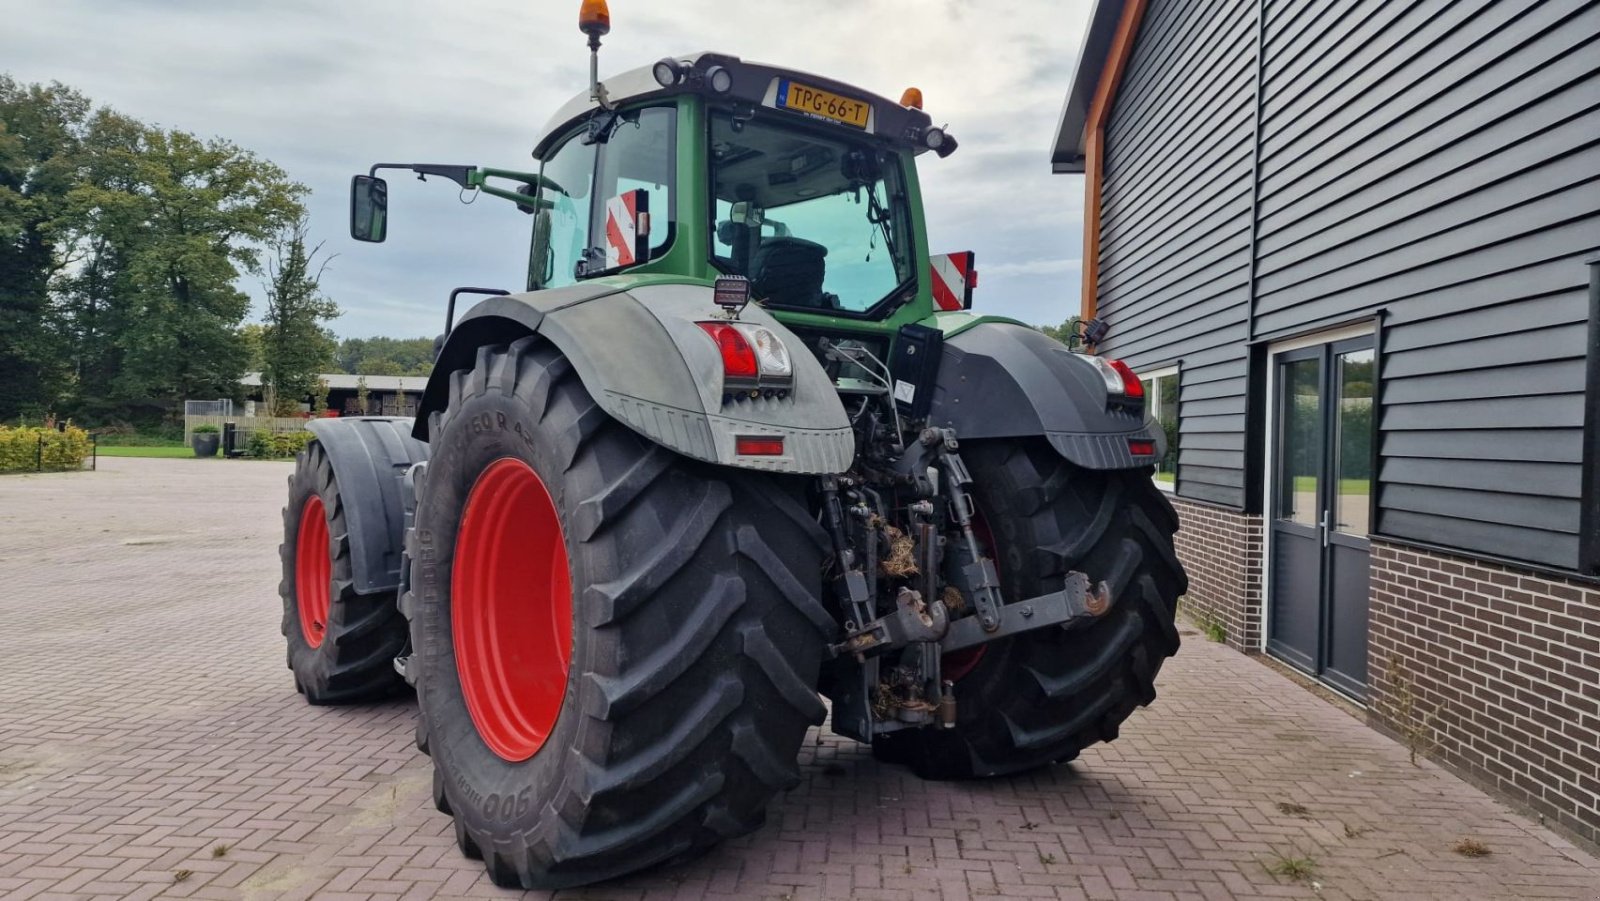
[(637, 151), (640, 154)]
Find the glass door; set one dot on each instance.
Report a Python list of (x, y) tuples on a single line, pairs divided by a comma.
[(1320, 508)]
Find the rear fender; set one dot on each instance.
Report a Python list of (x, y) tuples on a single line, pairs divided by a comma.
[(649, 366), (370, 456), (1001, 380)]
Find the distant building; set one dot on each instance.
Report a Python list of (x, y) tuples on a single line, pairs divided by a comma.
[(387, 395), (1351, 248)]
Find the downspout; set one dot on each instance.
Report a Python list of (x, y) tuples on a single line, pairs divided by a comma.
[(1094, 149)]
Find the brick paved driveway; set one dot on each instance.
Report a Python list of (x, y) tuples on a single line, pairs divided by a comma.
[(148, 729)]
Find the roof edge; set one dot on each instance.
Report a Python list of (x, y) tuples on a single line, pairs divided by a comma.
[(1067, 153)]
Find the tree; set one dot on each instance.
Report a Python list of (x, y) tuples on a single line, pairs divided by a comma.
[(295, 346), (385, 356), (40, 135), (205, 210), (1067, 333), (253, 334)]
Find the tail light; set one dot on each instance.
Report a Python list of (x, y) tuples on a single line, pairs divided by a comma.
[(1121, 382), (753, 356)]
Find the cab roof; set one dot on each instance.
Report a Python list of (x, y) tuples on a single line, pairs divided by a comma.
[(753, 83)]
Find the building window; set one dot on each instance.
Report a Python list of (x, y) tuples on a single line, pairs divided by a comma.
[(1161, 401)]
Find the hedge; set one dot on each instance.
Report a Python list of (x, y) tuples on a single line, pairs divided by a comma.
[(63, 449)]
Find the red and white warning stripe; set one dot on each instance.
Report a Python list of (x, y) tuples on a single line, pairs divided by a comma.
[(953, 279), (622, 228)]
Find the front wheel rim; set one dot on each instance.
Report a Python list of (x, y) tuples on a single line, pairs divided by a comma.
[(313, 571), (511, 609)]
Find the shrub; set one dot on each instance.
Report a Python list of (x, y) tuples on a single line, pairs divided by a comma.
[(206, 430), (267, 444), (260, 443), (287, 444), (20, 449)]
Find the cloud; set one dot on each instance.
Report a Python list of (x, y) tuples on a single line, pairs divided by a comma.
[(1036, 267), (326, 89)]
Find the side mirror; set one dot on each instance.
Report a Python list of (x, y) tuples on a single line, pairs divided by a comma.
[(954, 276), (369, 208)]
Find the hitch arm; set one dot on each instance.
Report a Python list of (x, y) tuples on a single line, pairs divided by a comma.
[(1074, 605)]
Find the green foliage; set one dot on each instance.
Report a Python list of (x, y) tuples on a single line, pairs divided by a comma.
[(30, 448), (122, 434), (40, 133), (385, 356), (120, 246), (267, 444), (295, 347), (206, 429), (1067, 333)]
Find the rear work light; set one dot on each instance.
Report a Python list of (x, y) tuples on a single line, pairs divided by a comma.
[(754, 359), (1120, 380)]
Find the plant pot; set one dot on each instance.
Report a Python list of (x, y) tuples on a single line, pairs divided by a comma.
[(205, 444)]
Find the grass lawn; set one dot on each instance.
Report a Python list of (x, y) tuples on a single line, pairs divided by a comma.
[(179, 451), (1346, 486)]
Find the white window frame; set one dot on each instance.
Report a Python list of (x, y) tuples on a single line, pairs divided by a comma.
[(1153, 376)]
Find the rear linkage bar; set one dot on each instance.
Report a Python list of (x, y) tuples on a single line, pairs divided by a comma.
[(920, 616)]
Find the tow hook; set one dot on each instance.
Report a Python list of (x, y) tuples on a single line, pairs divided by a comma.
[(913, 620)]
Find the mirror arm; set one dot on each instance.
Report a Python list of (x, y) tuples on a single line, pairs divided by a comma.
[(461, 175)]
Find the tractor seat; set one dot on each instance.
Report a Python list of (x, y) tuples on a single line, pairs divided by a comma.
[(789, 272)]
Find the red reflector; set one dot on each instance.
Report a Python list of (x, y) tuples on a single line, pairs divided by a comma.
[(751, 446), (738, 358), (1131, 386), (1141, 448)]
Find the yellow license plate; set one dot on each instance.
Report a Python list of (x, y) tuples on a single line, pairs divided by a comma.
[(822, 104)]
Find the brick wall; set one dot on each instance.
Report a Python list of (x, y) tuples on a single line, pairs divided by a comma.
[(1221, 551), (1494, 672)]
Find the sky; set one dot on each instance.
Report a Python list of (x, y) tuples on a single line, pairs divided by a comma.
[(324, 88)]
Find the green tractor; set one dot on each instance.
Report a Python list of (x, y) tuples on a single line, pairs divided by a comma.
[(738, 446)]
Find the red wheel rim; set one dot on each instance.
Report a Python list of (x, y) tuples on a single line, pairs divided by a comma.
[(313, 571), (511, 609), (956, 665)]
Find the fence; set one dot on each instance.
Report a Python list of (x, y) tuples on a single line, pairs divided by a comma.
[(223, 407), (245, 424)]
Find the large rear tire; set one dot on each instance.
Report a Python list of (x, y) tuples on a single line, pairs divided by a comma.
[(1043, 696), (675, 608), (342, 645)]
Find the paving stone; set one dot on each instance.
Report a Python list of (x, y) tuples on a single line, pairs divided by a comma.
[(146, 717)]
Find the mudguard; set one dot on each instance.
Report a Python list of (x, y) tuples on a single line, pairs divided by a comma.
[(1000, 380), (370, 456), (648, 365)]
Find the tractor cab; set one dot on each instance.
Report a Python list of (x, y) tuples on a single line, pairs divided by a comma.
[(707, 166)]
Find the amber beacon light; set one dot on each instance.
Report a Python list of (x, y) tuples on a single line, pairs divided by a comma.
[(594, 19)]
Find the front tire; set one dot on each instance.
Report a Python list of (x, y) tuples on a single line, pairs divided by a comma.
[(684, 636), (341, 645), (1043, 696)]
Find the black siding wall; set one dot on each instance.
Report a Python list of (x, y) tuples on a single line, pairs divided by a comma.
[(1437, 161), (1442, 161), (1175, 225)]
